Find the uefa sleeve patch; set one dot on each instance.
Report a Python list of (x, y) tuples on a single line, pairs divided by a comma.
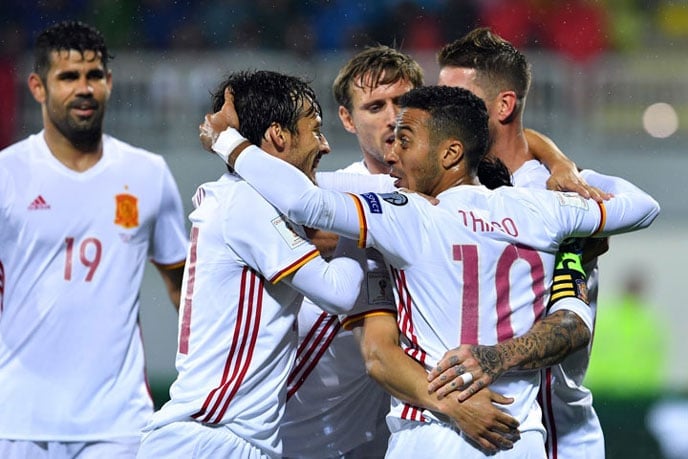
[(373, 202), (396, 198), (572, 199), (292, 239)]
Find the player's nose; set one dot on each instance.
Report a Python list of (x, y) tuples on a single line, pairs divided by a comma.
[(390, 155), (324, 145)]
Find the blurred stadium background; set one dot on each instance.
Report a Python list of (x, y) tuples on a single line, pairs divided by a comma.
[(609, 86)]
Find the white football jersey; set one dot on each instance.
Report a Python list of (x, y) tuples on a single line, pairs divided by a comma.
[(73, 247), (473, 269), (573, 428), (333, 406), (237, 328)]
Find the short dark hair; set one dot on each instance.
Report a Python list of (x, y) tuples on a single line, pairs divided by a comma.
[(499, 65), (379, 65), (493, 173), (264, 97), (454, 113), (65, 36)]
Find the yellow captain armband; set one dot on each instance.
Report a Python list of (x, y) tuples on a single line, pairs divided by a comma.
[(569, 278)]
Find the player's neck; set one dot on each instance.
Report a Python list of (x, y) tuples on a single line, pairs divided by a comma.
[(76, 158), (374, 166), (511, 147), (453, 179)]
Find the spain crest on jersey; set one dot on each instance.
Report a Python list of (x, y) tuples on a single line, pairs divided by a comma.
[(126, 210)]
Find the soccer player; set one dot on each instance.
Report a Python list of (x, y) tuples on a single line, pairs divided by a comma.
[(80, 213), (248, 269), (331, 391), (455, 251), (493, 69), (334, 408)]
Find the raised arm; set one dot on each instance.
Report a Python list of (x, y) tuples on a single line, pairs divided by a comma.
[(355, 183), (293, 194), (565, 175)]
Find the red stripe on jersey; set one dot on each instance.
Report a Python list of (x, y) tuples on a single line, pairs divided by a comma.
[(405, 318), (403, 315), (362, 224), (603, 218), (294, 266), (185, 331), (412, 413), (240, 353), (311, 350), (198, 197), (545, 400)]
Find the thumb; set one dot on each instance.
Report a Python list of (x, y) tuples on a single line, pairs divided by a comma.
[(502, 400)]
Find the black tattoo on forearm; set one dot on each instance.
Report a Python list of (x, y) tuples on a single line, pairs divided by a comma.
[(547, 343)]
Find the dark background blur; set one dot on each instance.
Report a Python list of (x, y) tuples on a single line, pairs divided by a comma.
[(609, 86)]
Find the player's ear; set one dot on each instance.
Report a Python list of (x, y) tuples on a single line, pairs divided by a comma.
[(277, 137), (346, 119), (452, 153), (36, 87), (507, 106)]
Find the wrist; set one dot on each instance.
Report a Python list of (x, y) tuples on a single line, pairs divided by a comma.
[(226, 143), (564, 164), (507, 355)]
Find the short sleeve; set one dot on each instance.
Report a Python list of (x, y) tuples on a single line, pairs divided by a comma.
[(170, 236), (264, 238)]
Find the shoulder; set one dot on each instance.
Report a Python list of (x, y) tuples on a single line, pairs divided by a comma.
[(532, 174), (129, 152), (18, 151), (230, 191), (355, 168)]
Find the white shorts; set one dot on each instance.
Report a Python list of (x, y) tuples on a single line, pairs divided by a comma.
[(23, 449), (193, 440), (433, 439)]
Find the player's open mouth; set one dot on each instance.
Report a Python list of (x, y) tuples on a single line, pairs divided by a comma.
[(397, 180)]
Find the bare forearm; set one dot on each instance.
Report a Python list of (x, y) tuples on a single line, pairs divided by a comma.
[(547, 343), (471, 368), (172, 277), (405, 379), (399, 375), (546, 151)]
